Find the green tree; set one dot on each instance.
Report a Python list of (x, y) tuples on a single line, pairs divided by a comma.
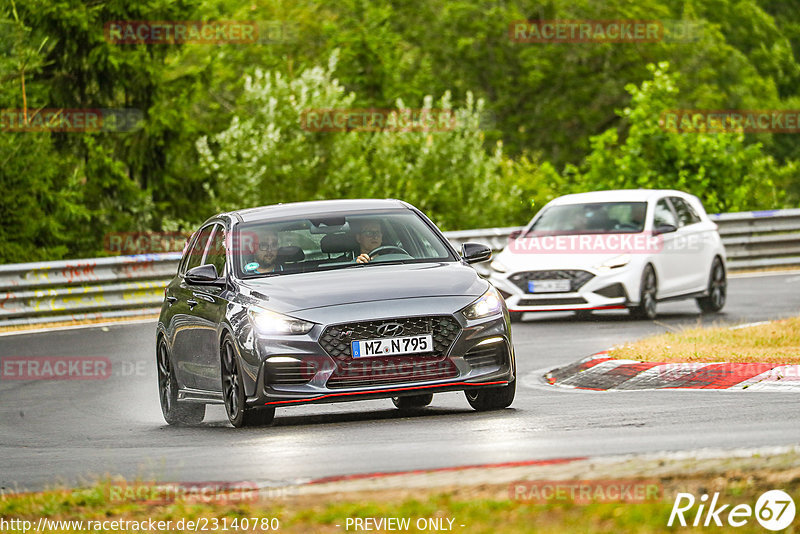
[(266, 156), (720, 168), (41, 208)]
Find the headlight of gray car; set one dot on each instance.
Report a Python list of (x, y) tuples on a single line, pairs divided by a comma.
[(269, 322), (490, 303)]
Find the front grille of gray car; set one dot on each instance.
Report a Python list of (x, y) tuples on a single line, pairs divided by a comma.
[(336, 338), (352, 372), (390, 370), (577, 278)]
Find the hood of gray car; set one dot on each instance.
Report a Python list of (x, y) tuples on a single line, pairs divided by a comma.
[(295, 292)]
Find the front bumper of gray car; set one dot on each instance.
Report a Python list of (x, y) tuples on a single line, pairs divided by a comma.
[(319, 368)]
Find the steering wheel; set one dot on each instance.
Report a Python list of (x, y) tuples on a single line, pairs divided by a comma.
[(388, 249)]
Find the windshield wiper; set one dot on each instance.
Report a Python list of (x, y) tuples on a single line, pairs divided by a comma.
[(356, 264), (253, 276), (390, 262)]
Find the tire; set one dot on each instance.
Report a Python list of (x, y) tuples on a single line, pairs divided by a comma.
[(233, 392), (515, 317), (485, 399), (583, 315), (413, 402), (717, 289), (647, 295), (174, 412)]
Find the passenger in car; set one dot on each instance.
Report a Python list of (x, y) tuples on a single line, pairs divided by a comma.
[(267, 253), (638, 212), (369, 236)]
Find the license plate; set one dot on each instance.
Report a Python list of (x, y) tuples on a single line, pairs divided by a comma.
[(391, 346), (548, 286)]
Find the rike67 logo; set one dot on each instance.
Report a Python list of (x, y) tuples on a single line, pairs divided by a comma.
[(774, 510)]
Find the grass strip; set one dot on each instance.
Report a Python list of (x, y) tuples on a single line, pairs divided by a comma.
[(480, 509), (777, 342)]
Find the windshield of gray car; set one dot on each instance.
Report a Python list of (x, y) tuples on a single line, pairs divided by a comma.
[(325, 242), (590, 218)]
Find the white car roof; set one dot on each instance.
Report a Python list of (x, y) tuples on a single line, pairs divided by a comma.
[(618, 195)]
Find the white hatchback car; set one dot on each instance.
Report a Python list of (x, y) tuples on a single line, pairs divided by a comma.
[(613, 250)]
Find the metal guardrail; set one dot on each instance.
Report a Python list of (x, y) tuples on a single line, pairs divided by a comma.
[(84, 289), (759, 239), (125, 286)]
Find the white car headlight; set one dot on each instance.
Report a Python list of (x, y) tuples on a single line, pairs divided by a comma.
[(269, 322), (614, 263), (490, 303), (498, 266)]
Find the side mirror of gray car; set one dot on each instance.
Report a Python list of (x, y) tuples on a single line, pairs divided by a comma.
[(475, 252), (203, 275)]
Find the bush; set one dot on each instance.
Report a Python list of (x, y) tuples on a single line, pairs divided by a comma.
[(265, 156), (726, 173)]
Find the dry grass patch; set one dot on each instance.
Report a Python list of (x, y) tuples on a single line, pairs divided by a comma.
[(777, 342), (485, 509)]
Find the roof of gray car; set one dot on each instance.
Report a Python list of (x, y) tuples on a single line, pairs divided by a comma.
[(316, 207)]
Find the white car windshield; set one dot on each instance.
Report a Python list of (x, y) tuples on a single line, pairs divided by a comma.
[(591, 218)]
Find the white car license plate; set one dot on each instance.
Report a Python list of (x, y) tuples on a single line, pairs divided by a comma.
[(392, 346), (548, 286)]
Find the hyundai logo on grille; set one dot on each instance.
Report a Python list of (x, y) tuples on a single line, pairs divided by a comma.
[(390, 329)]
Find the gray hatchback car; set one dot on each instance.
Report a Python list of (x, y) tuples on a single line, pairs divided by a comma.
[(328, 301)]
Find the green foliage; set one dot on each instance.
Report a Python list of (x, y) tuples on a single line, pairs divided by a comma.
[(267, 156), (41, 208), (726, 173), (40, 213), (535, 120)]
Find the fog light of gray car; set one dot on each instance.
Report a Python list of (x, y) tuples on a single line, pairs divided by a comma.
[(269, 322), (490, 303)]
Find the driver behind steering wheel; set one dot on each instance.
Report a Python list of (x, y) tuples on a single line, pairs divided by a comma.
[(369, 236)]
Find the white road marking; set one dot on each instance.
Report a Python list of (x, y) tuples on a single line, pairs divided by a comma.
[(748, 325), (103, 326), (762, 274)]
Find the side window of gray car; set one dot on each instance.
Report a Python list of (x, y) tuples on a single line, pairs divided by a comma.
[(216, 252), (663, 214), (197, 249)]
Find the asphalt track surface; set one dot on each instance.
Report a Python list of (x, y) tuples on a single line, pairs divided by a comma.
[(69, 432)]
